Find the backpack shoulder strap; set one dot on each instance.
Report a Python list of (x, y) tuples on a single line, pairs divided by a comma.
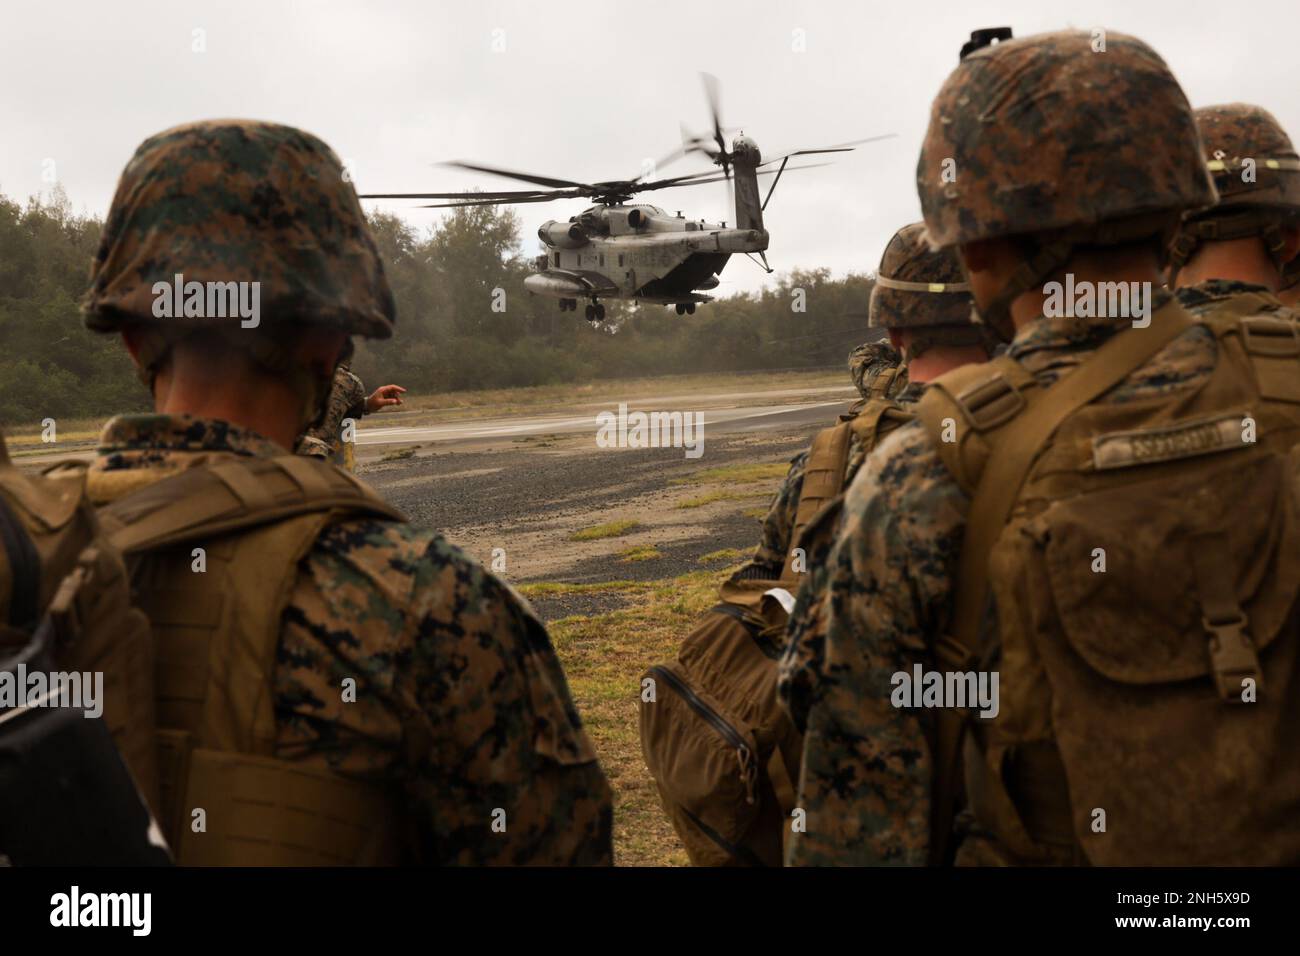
[(1270, 337), (1013, 424), (964, 410), (829, 461), (883, 383), (823, 477), (233, 495), (20, 571), (876, 419)]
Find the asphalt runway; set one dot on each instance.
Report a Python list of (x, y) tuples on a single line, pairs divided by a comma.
[(716, 420)]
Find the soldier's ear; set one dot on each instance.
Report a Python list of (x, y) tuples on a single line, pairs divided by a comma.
[(979, 256), (1290, 241), (131, 339)]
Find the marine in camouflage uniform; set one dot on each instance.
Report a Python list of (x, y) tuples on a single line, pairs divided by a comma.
[(1033, 161), (921, 294), (462, 717), (347, 399), (867, 363), (1257, 174), (732, 654)]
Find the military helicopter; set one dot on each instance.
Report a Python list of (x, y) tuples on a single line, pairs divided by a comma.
[(618, 249)]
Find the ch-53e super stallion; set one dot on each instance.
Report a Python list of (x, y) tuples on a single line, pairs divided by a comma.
[(618, 249)]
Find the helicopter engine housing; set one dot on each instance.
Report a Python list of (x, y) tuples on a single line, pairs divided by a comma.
[(562, 235)]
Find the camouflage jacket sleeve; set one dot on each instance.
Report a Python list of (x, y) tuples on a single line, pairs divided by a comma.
[(865, 781), (799, 674), (461, 695), (353, 398), (778, 525), (802, 664), (347, 399)]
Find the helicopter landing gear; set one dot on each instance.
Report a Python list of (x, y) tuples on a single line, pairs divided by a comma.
[(595, 312), (685, 308)]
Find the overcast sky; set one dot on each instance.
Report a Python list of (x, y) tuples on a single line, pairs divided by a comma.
[(580, 90)]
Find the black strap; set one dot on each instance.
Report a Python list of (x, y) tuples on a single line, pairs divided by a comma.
[(24, 570), (730, 610)]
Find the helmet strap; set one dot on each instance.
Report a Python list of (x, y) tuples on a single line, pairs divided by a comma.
[(1046, 260), (1052, 251), (1240, 223)]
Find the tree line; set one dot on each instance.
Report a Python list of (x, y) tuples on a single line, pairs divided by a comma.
[(465, 320)]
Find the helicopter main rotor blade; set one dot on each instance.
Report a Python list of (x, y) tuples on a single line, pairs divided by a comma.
[(718, 178), (513, 194), (711, 93), (690, 144), (841, 148), (663, 183), (696, 179), (522, 177), (500, 202)]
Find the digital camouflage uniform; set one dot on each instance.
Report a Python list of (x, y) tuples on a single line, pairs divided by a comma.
[(1205, 297), (922, 292), (890, 581), (866, 363), (462, 711), (1009, 117), (802, 661), (429, 631), (347, 399)]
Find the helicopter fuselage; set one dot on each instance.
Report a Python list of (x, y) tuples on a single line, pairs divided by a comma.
[(636, 252)]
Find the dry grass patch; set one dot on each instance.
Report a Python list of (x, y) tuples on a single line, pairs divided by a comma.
[(611, 529), (641, 553), (726, 554), (709, 497), (737, 473), (564, 588)]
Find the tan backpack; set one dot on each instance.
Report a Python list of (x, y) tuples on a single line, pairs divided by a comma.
[(1144, 560), (66, 795), (723, 752), (216, 633)]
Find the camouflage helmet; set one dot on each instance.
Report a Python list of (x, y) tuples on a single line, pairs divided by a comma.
[(1257, 174), (916, 285), (227, 201), (1066, 138), (919, 287)]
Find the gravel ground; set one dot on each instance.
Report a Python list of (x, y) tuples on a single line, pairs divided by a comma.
[(528, 496)]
